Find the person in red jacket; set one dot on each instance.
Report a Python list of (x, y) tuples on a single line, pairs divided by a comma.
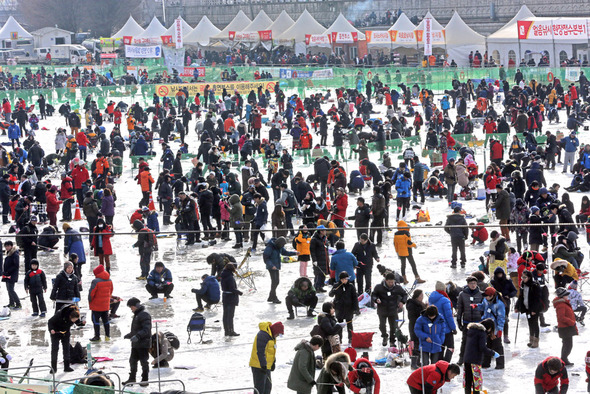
[(566, 323), (480, 234), (101, 243), (117, 116), (490, 126), (496, 151), (430, 378), (256, 124), (306, 144), (99, 299), (527, 261), (79, 176), (339, 208), (364, 376), (83, 142), (66, 193), (548, 373), (52, 205)]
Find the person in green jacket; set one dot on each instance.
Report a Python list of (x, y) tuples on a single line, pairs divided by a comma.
[(302, 376)]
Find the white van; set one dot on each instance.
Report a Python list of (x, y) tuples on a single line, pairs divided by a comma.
[(69, 54)]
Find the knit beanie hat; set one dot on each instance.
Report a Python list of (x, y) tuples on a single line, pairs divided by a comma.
[(439, 286), (277, 329)]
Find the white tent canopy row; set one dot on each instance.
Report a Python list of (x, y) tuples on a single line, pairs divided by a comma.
[(152, 34), (12, 30), (130, 29)]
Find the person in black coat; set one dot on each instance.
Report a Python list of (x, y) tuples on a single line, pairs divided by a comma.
[(318, 249), (5, 195), (321, 169), (35, 285), (231, 297), (9, 270), (390, 298), (362, 217), (471, 294), (475, 350), (166, 197), (59, 327), (505, 287), (140, 336), (206, 208), (329, 327), (530, 303), (365, 252), (415, 306), (345, 301), (536, 237), (65, 287), (29, 241)]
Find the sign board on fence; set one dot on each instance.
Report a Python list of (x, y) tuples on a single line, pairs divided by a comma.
[(190, 72), (265, 35), (108, 55), (572, 74), (134, 51), (194, 88), (287, 73), (553, 29)]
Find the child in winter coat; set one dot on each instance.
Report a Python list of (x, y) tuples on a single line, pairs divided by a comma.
[(475, 350), (301, 244), (430, 329), (364, 377), (4, 356), (577, 302), (479, 234), (224, 208), (35, 285), (403, 243), (493, 308), (566, 323)]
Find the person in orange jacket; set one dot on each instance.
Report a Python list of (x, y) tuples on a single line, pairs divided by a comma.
[(145, 180), (99, 299), (100, 171)]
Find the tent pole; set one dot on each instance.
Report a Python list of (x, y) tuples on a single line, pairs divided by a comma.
[(554, 48)]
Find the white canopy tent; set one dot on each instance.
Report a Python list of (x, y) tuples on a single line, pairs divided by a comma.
[(281, 24), (13, 36), (461, 39), (295, 35), (503, 44), (402, 35), (250, 33), (202, 33), (151, 34), (186, 29), (438, 33), (239, 22), (130, 28), (342, 25)]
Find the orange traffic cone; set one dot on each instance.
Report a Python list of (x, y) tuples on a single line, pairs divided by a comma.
[(77, 214), (151, 205), (328, 203)]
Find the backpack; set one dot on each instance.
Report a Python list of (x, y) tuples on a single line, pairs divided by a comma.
[(317, 330), (78, 354), (152, 241), (545, 298), (173, 339)]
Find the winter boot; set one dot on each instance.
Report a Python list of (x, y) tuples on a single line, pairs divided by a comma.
[(418, 280), (144, 378), (405, 280), (130, 380), (384, 343), (310, 313), (506, 339), (414, 362), (530, 344), (291, 316), (535, 343)]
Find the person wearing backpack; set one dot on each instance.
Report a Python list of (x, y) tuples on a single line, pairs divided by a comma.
[(162, 349), (145, 243)]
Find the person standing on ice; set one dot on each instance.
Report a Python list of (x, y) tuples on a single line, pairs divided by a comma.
[(59, 327), (263, 358), (140, 336), (275, 248)]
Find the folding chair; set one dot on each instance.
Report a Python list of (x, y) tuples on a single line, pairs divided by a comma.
[(245, 273), (583, 279), (196, 323)]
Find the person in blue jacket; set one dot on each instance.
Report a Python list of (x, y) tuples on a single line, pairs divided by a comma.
[(159, 281), (535, 173), (430, 329), (585, 159), (141, 147), (570, 145), (209, 292), (441, 300), (343, 261), (152, 221), (493, 308), (74, 245), (14, 133), (403, 185), (275, 248)]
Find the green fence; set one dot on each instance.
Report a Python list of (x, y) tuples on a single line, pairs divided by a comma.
[(434, 79)]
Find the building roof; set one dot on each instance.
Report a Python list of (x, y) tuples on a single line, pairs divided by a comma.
[(45, 30)]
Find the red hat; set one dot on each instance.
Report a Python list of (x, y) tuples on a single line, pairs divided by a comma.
[(277, 329), (490, 291), (351, 353), (98, 270)]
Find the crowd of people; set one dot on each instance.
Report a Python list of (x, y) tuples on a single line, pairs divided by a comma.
[(229, 194)]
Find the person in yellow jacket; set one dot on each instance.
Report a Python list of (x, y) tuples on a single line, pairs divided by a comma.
[(402, 240), (301, 244), (263, 358), (565, 272)]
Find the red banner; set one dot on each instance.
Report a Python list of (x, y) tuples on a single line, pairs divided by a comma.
[(127, 40), (355, 36), (166, 40), (232, 35), (108, 55), (265, 35), (190, 72)]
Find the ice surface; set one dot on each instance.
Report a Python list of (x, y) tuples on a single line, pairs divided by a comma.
[(223, 363)]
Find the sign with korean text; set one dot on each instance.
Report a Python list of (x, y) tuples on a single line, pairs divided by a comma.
[(427, 36), (265, 35), (343, 37), (127, 40), (178, 33), (143, 52), (403, 36), (194, 88), (553, 29), (378, 37), (316, 39), (190, 72)]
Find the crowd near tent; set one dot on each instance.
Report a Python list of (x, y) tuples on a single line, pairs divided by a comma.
[(152, 33), (131, 29), (461, 40), (202, 33)]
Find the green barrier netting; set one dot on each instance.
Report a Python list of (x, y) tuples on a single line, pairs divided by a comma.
[(437, 80)]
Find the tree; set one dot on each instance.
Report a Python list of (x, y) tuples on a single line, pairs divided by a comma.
[(101, 17)]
